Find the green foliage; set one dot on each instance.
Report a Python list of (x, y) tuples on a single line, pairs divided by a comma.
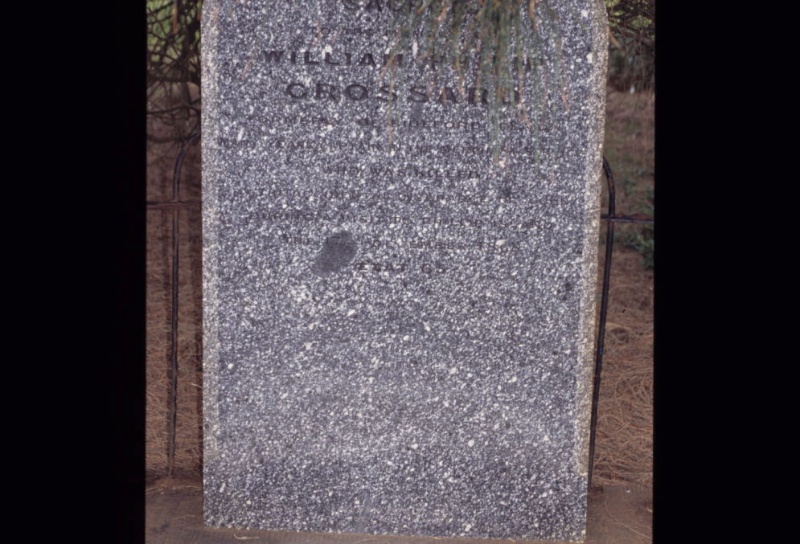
[(631, 57), (642, 239), (643, 242), (488, 28), (173, 67), (174, 39)]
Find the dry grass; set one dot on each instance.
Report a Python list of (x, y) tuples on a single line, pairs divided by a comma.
[(188, 438), (624, 440), (624, 448)]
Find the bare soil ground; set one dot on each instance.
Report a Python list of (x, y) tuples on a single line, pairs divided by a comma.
[(621, 503)]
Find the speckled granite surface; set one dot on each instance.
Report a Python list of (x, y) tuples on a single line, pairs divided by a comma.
[(398, 329)]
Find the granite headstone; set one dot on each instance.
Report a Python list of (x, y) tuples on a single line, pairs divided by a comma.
[(399, 271)]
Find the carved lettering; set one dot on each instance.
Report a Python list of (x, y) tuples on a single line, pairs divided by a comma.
[(356, 92), (296, 90), (309, 57), (398, 267), (274, 56), (417, 95), (397, 5), (324, 90), (390, 96), (367, 60), (447, 95), (435, 61), (378, 5), (484, 95), (296, 240)]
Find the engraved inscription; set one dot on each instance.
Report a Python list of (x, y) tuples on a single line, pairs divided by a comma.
[(429, 197)]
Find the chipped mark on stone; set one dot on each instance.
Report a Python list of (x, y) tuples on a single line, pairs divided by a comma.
[(338, 251)]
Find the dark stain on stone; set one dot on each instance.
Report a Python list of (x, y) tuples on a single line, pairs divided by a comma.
[(337, 252)]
